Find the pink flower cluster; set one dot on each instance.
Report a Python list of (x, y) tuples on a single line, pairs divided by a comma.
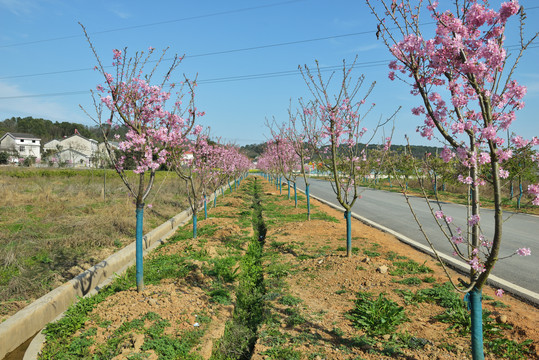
[(140, 107), (279, 157), (533, 189), (464, 56)]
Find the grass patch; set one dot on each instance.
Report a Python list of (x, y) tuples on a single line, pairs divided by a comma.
[(408, 281), (241, 332), (409, 267), (377, 316), (289, 300)]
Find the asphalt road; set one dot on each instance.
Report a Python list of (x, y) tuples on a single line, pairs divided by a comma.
[(391, 210)]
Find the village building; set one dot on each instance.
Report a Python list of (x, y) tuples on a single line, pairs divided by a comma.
[(75, 150), (21, 145)]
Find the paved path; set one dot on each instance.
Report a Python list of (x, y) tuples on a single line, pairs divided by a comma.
[(390, 210)]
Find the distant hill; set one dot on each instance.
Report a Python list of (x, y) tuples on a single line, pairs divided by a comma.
[(46, 129), (253, 150), (418, 151)]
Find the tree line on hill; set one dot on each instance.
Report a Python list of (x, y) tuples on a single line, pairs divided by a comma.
[(47, 130), (418, 151)]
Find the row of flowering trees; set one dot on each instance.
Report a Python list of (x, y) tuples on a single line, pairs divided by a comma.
[(463, 76), (327, 130), (161, 133)]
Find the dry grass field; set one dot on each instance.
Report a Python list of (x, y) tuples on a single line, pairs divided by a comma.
[(55, 223)]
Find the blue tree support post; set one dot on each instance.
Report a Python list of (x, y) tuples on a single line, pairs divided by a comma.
[(138, 247), (280, 186), (194, 225), (348, 217), (308, 202), (215, 200), (295, 195), (476, 308)]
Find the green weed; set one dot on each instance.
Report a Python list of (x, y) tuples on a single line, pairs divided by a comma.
[(409, 281), (376, 317), (510, 349), (294, 317), (289, 300), (165, 266), (279, 353), (223, 269), (409, 267)]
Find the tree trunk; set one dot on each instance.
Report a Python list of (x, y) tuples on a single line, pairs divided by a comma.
[(205, 208)]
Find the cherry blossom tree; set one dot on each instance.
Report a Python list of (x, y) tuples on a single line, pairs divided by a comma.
[(128, 97), (336, 132), (297, 132), (464, 78), (286, 157), (209, 166)]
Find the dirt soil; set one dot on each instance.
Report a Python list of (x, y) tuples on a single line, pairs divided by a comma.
[(327, 286), (326, 282)]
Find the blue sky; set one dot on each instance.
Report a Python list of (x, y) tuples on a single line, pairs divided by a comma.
[(43, 52)]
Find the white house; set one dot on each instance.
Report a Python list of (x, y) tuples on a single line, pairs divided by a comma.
[(73, 157), (79, 143), (75, 150), (51, 145), (22, 145)]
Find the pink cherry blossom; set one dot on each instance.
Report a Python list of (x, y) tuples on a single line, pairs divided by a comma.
[(474, 220), (504, 174), (524, 252)]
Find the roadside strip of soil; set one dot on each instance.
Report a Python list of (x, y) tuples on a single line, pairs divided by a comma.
[(307, 291)]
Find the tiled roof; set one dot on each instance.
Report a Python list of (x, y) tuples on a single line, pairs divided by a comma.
[(23, 136)]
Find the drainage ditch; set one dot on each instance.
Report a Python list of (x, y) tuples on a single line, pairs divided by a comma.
[(241, 332)]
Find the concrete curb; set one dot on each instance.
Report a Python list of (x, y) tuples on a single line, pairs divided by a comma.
[(495, 281), (32, 319)]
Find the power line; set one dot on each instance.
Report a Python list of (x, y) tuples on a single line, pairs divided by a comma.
[(222, 79), (225, 52), (289, 72), (205, 54), (155, 23), (45, 95)]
